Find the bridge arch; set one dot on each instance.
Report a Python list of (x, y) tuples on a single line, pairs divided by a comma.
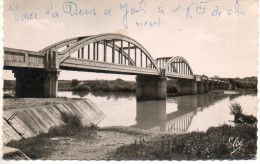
[(63, 43), (130, 52), (175, 65)]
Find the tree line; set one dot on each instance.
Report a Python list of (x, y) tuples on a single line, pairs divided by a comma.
[(120, 85)]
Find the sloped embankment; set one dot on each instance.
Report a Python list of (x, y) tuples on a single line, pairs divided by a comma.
[(31, 117)]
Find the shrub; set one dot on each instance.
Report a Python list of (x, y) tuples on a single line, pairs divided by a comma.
[(74, 82), (71, 121), (235, 108)]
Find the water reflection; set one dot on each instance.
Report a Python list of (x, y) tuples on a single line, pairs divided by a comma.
[(176, 114), (80, 93), (151, 115)]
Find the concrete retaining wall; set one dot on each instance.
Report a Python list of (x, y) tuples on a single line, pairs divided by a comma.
[(31, 121)]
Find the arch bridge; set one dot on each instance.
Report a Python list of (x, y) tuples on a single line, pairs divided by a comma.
[(37, 73)]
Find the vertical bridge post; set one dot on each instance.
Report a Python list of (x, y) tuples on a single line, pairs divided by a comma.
[(52, 73)]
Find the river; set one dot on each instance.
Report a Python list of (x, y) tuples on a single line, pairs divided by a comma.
[(176, 114)]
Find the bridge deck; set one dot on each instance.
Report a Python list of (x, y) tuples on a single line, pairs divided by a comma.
[(23, 58), (177, 75), (98, 66)]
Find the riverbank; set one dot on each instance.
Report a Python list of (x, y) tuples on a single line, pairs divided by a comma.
[(123, 143), (74, 141)]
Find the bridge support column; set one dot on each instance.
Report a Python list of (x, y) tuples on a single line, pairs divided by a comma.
[(51, 84), (187, 87), (29, 82), (216, 85), (150, 88), (194, 87), (32, 83), (206, 86), (227, 86), (200, 87), (222, 85), (232, 85), (211, 85)]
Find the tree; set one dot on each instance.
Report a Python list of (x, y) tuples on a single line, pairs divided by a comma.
[(74, 82)]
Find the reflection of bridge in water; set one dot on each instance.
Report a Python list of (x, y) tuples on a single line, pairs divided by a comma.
[(152, 114)]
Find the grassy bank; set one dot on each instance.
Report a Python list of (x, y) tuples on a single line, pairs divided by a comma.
[(215, 143), (119, 143)]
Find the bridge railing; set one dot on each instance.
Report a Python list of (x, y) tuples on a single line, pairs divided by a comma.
[(23, 58)]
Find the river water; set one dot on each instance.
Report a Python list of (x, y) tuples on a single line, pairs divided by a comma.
[(176, 114)]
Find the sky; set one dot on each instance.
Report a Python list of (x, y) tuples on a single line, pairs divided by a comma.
[(216, 37)]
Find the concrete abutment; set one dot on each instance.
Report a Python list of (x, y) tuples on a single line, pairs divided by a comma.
[(36, 83)]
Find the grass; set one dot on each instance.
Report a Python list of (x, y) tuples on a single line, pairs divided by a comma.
[(212, 144)]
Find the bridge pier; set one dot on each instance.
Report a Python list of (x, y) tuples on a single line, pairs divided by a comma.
[(227, 86), (216, 85), (211, 85), (200, 87), (29, 82), (232, 85), (38, 82), (206, 86), (32, 83), (187, 87), (222, 85), (150, 88), (51, 84)]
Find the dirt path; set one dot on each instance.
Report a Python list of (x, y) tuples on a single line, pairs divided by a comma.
[(83, 144), (96, 148)]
